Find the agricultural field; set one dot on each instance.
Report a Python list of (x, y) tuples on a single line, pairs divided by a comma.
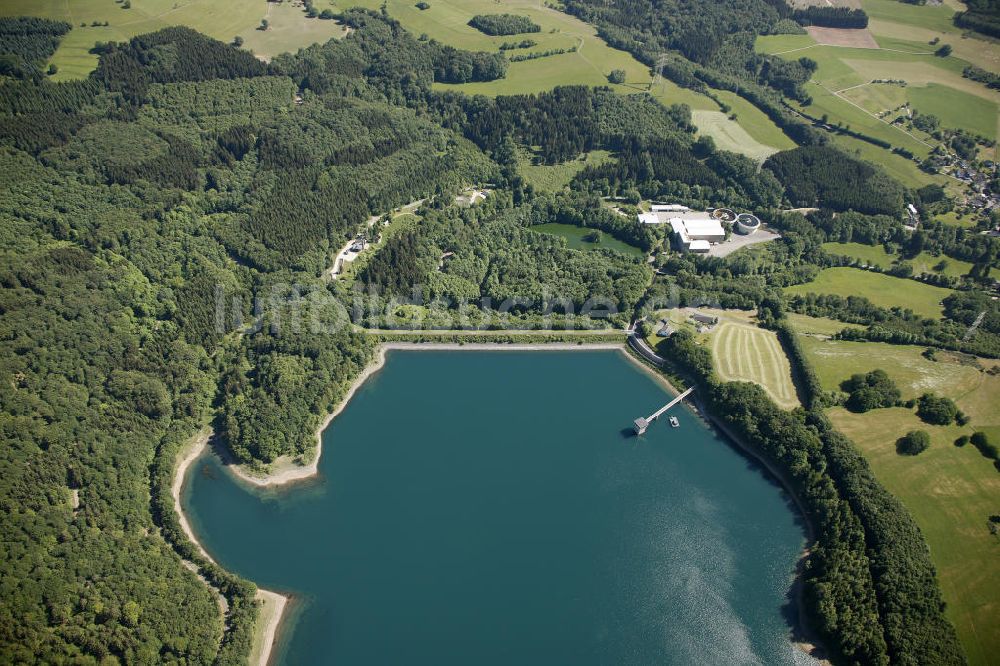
[(949, 490), (875, 255), (956, 108), (743, 352), (836, 360), (882, 290), (557, 176), (904, 170), (817, 326), (844, 91), (447, 22), (752, 133), (288, 30)]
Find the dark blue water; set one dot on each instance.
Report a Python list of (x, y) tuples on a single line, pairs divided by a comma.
[(486, 508)]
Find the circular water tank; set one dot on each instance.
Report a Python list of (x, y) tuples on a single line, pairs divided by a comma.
[(723, 215), (747, 224)]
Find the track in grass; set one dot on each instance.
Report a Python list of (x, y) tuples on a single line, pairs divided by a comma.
[(746, 353)]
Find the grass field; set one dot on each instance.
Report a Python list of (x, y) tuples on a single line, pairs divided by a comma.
[(875, 255), (557, 176), (575, 238), (842, 87), (882, 290), (742, 352), (950, 491), (447, 22), (836, 360), (730, 135), (956, 109), (817, 325), (752, 133), (223, 19), (952, 217), (905, 171)]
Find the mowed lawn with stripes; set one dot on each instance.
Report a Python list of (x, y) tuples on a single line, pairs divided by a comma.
[(741, 352)]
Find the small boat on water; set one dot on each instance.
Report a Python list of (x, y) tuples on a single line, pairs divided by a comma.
[(674, 423)]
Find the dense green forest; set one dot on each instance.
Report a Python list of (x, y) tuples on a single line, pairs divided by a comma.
[(167, 230), (982, 16), (832, 17), (503, 24), (180, 173), (26, 43), (822, 176)]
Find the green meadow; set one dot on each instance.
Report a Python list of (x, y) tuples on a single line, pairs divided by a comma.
[(950, 491), (821, 326), (447, 22), (289, 28), (557, 176), (956, 109), (842, 88), (924, 262), (882, 290)]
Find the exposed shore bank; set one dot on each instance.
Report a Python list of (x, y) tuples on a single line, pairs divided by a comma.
[(273, 604)]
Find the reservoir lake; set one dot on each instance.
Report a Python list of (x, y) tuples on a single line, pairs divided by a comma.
[(493, 507)]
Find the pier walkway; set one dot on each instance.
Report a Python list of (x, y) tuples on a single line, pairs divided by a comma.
[(641, 423)]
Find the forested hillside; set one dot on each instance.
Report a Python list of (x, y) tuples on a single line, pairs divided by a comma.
[(168, 227), (822, 176), (700, 44), (181, 167), (27, 43)]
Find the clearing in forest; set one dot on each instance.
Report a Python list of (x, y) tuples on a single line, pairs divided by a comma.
[(858, 38), (742, 352), (882, 290), (729, 135)]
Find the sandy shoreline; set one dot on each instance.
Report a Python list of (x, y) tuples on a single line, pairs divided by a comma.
[(273, 604)]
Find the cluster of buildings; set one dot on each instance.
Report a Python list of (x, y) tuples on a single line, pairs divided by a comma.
[(703, 323), (698, 231), (977, 179)]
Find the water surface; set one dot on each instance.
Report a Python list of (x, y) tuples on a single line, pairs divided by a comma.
[(486, 508)]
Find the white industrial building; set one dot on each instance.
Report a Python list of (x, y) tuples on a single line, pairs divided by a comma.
[(697, 232)]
